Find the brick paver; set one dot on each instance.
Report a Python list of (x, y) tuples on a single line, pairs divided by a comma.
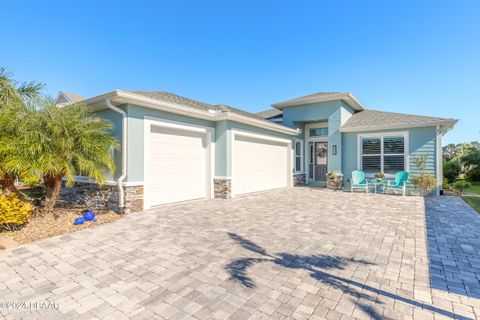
[(299, 253)]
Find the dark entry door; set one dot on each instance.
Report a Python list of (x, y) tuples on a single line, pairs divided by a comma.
[(320, 161)]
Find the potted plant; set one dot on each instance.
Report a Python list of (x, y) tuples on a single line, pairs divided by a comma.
[(379, 176), (334, 180)]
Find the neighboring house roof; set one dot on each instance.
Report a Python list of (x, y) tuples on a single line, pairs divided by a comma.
[(347, 97), (373, 119), (64, 98), (272, 112), (73, 97)]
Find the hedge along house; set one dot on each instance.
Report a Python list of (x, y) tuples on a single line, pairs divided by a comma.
[(178, 149)]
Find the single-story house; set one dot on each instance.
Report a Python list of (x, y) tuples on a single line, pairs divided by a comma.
[(177, 149)]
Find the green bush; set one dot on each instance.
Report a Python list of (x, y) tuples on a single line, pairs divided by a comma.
[(461, 186), (425, 183), (446, 185), (13, 212), (473, 174), (451, 170)]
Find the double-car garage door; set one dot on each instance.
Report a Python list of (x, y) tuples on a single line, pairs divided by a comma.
[(179, 157)]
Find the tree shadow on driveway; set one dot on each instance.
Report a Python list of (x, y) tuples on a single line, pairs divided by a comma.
[(363, 295)]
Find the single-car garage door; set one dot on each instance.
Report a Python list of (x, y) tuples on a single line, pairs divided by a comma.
[(177, 165), (259, 164)]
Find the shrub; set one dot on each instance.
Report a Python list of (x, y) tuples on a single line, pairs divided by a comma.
[(13, 212), (425, 182), (461, 186), (446, 185), (451, 170), (473, 174)]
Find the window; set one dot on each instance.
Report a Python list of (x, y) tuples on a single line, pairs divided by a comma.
[(383, 153), (298, 155), (319, 132)]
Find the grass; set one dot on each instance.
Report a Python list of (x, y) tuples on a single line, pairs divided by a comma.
[(475, 189), (473, 202)]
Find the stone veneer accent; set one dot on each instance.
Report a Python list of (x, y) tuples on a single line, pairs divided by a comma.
[(222, 188), (106, 196), (299, 179)]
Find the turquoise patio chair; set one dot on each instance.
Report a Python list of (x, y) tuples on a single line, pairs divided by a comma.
[(400, 182), (359, 181)]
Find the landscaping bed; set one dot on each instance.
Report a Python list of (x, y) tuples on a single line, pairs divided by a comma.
[(58, 222)]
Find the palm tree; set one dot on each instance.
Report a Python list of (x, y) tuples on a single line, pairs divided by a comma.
[(14, 98), (62, 142)]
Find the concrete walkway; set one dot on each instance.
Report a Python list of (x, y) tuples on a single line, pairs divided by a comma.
[(294, 253)]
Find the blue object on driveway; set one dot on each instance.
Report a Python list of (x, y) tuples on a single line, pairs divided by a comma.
[(79, 220), (89, 215)]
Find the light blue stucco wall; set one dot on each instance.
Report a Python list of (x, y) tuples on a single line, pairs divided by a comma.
[(116, 120), (336, 113), (421, 141)]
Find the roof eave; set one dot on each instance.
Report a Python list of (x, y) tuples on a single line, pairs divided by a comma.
[(348, 98), (447, 123), (122, 97)]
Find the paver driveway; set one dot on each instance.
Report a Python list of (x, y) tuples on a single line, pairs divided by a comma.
[(291, 253)]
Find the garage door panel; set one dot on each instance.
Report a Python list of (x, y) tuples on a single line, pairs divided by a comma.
[(178, 165), (259, 165)]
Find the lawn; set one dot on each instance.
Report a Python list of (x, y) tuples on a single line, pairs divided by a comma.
[(475, 189), (474, 202)]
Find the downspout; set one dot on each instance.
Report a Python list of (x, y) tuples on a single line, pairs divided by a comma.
[(439, 160), (121, 197)]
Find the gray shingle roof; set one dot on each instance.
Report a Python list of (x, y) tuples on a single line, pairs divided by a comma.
[(347, 97), (374, 118), (272, 112), (173, 98), (73, 97), (299, 100)]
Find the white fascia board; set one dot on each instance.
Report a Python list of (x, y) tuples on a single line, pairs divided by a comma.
[(448, 123)]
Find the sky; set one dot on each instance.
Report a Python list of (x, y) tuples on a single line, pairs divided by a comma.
[(420, 57)]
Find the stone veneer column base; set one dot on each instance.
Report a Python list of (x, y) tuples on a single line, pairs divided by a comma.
[(222, 188), (133, 198), (106, 196), (299, 179)]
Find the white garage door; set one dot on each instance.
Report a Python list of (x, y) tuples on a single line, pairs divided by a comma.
[(259, 165), (177, 166)]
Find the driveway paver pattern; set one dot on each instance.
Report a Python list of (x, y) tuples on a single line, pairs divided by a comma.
[(298, 253)]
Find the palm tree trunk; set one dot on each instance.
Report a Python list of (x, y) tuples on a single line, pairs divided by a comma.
[(53, 186), (8, 185)]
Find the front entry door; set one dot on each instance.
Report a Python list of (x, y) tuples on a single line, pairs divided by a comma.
[(318, 162)]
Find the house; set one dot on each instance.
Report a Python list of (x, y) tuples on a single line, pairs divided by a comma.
[(178, 149)]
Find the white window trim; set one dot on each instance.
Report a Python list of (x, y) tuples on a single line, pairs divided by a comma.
[(382, 135), (302, 165)]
